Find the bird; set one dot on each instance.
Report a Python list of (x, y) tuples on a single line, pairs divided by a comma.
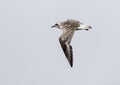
[(69, 27)]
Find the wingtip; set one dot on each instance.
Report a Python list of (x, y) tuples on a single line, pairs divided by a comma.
[(71, 66)]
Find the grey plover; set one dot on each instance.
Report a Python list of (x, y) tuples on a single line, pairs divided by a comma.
[(69, 27)]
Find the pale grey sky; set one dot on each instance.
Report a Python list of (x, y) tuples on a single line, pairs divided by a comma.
[(30, 53)]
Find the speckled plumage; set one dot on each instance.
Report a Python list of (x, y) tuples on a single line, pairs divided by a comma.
[(69, 27)]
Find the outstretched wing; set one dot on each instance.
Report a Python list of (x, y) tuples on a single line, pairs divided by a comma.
[(65, 44)]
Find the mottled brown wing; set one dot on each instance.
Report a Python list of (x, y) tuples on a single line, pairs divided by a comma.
[(65, 44), (68, 52)]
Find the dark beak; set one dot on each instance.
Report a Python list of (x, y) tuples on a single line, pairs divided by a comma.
[(52, 26)]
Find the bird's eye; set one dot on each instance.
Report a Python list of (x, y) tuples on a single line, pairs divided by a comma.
[(56, 24)]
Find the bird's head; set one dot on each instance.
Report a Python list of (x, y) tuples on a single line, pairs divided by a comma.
[(57, 25)]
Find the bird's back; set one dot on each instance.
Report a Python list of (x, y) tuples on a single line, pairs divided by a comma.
[(70, 23)]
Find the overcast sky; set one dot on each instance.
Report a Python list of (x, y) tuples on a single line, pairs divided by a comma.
[(30, 53)]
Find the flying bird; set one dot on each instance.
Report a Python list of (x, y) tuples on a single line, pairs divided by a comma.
[(69, 27)]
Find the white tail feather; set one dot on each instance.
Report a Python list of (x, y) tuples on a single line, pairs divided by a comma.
[(84, 27)]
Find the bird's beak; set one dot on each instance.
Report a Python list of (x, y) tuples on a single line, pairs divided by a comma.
[(52, 26)]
